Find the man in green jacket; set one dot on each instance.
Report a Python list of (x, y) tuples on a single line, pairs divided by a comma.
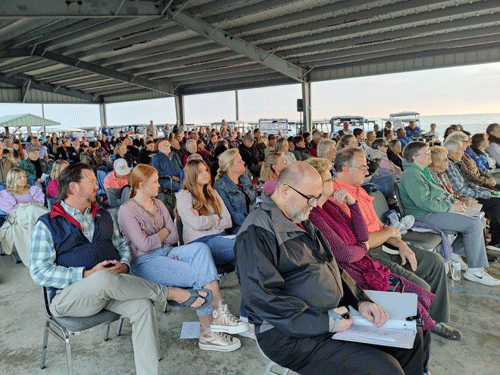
[(34, 167)]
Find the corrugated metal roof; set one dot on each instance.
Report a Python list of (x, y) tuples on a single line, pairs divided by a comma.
[(101, 52), (26, 120)]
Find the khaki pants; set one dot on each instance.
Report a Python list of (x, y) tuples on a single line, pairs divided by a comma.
[(127, 295)]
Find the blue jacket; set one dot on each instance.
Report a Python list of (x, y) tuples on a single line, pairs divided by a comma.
[(480, 160), (234, 198), (412, 133), (167, 166), (404, 141)]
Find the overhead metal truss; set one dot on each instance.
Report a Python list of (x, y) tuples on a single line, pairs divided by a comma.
[(119, 50)]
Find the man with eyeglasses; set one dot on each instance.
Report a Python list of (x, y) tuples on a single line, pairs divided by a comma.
[(424, 268), (297, 296)]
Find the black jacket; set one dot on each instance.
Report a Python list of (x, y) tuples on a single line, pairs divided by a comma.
[(251, 158), (289, 277)]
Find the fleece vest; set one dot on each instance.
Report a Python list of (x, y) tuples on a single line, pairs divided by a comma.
[(72, 248)]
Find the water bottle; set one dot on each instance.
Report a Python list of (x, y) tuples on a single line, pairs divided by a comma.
[(456, 270)]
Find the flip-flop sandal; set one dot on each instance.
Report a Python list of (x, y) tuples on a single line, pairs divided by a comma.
[(193, 296)]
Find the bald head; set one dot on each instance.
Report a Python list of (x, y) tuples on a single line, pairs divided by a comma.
[(298, 188), (297, 173)]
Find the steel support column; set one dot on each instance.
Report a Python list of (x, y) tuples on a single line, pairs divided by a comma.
[(102, 114), (179, 109), (306, 101)]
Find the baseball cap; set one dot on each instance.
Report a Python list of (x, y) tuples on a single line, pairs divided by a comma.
[(120, 166)]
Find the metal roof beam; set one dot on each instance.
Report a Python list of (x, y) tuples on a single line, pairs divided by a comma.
[(305, 26), (468, 55), (87, 9), (289, 48), (152, 85), (243, 83), (371, 20), (29, 66), (440, 41), (20, 82), (72, 32), (27, 29), (236, 44), (193, 69), (108, 36)]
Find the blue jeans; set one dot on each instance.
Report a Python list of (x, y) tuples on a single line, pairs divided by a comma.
[(194, 268), (222, 250)]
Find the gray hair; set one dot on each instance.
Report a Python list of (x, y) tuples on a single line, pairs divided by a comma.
[(452, 144), (412, 149), (324, 146), (344, 158), (457, 136)]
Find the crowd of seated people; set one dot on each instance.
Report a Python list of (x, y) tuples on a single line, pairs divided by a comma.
[(218, 175)]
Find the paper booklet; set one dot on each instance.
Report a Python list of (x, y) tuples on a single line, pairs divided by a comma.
[(397, 332)]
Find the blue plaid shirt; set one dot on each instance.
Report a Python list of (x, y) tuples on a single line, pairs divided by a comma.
[(43, 268), (461, 185)]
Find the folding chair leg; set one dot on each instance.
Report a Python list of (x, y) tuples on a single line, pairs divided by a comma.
[(44, 346), (106, 332), (165, 307), (120, 325), (16, 256), (68, 357)]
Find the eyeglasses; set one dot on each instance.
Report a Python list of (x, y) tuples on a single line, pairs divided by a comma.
[(310, 200)]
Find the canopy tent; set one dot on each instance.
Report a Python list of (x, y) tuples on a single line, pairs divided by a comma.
[(27, 120)]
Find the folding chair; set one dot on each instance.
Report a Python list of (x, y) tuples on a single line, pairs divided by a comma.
[(269, 368), (63, 328), (429, 241), (452, 235)]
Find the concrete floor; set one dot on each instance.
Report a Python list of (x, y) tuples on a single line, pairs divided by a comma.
[(475, 311)]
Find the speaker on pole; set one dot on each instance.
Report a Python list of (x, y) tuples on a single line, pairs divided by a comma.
[(300, 105)]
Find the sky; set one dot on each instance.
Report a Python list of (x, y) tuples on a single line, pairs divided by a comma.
[(448, 91)]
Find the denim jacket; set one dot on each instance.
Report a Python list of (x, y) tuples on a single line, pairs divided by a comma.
[(234, 199)]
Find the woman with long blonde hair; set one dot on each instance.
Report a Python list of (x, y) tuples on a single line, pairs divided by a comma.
[(18, 191), (204, 215), (235, 189), (273, 164)]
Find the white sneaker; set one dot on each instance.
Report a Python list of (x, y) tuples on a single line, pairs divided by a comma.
[(495, 247), (463, 265), (224, 321), (480, 276)]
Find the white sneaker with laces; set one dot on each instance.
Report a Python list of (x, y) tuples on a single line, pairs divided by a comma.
[(479, 275), (224, 321), (495, 247)]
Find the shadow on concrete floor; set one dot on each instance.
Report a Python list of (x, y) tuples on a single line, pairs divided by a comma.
[(475, 310)]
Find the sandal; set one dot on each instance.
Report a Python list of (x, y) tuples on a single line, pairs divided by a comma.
[(193, 296)]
